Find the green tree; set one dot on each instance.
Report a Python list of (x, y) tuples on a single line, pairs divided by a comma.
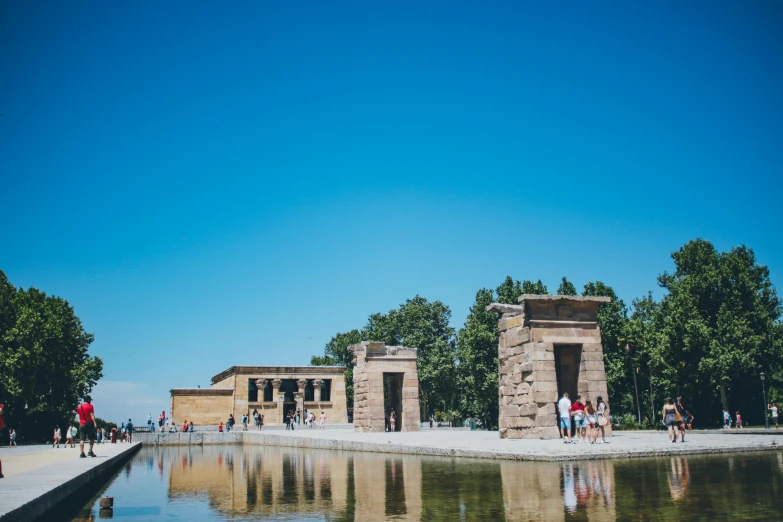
[(612, 318), (566, 287), (477, 353), (336, 353), (529, 287), (44, 362), (721, 322), (508, 292), (423, 325)]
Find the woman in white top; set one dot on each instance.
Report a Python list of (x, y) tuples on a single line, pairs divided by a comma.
[(57, 436), (602, 416)]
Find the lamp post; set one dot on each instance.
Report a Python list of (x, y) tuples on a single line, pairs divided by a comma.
[(764, 390)]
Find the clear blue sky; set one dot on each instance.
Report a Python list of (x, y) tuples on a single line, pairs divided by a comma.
[(218, 185)]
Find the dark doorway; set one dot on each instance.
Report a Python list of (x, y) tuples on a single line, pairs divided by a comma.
[(392, 399), (287, 408), (567, 360)]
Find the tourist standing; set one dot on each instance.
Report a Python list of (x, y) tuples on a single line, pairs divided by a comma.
[(682, 414), (602, 414), (149, 421), (100, 435), (231, 421), (190, 427), (432, 421), (591, 420), (57, 435), (161, 419), (244, 421), (322, 420), (129, 430), (260, 421), (298, 416), (287, 420), (564, 410), (255, 418), (689, 420), (2, 425), (670, 419), (12, 438), (392, 420), (738, 422), (726, 419), (578, 413), (87, 425), (773, 410)]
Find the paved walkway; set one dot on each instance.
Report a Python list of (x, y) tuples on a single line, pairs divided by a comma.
[(27, 458), (483, 444), (38, 477)]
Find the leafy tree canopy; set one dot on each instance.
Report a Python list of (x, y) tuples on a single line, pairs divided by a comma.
[(566, 287), (44, 362)]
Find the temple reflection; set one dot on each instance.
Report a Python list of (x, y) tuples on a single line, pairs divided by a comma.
[(271, 483)]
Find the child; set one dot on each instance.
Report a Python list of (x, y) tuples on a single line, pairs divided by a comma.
[(739, 420), (220, 427), (689, 420)]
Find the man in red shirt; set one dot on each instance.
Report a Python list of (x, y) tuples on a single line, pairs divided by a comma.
[(2, 425), (87, 425)]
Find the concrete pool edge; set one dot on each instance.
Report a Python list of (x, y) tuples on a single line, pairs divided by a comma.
[(288, 441), (31, 495)]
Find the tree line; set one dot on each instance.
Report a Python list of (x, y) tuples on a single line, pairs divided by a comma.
[(716, 328), (45, 367)]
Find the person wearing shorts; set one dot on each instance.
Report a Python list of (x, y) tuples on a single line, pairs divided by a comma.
[(564, 408), (578, 413), (773, 410), (87, 425)]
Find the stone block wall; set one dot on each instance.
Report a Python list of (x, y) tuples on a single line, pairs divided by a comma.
[(528, 379), (371, 362), (201, 406)]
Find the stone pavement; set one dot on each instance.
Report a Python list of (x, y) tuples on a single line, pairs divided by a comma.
[(483, 444), (39, 477)]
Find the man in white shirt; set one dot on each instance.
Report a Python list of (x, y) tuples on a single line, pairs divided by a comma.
[(564, 408)]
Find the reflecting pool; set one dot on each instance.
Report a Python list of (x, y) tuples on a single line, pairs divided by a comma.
[(267, 483)]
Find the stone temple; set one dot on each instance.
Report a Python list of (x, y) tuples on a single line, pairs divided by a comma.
[(385, 379), (549, 344), (272, 390)]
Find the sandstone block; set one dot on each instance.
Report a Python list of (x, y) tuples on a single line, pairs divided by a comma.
[(544, 397), (540, 355), (546, 386), (516, 422), (546, 409), (526, 367), (515, 378), (510, 411), (530, 377), (592, 347), (523, 388), (546, 420), (545, 366), (528, 410), (595, 376), (545, 376), (514, 337), (511, 322)]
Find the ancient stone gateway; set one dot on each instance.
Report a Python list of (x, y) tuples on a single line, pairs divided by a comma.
[(549, 344), (385, 379)]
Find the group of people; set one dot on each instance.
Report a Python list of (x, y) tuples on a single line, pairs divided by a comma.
[(588, 420), (164, 423), (295, 418), (676, 419)]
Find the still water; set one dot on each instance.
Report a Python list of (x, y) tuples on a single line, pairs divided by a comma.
[(267, 483)]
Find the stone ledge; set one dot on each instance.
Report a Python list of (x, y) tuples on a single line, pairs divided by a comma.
[(32, 495)]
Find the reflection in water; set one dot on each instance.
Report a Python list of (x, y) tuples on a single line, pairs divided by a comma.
[(259, 482)]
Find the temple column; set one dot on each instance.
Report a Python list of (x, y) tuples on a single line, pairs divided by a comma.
[(299, 395), (280, 398), (261, 385), (317, 383)]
